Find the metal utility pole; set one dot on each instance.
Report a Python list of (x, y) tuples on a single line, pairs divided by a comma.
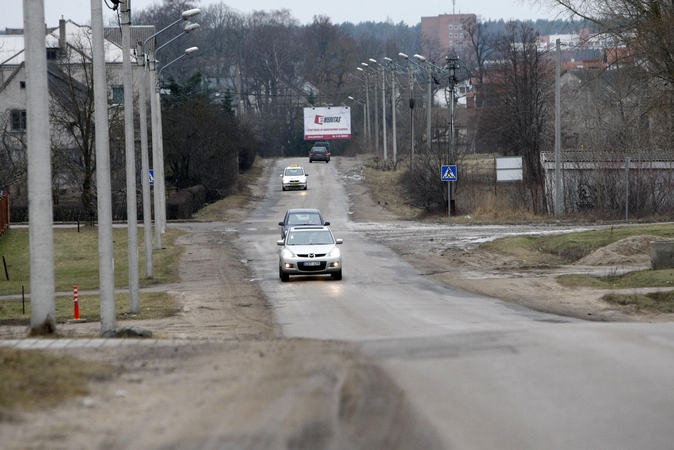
[(145, 164), (130, 149), (558, 133), (105, 248), (41, 234)]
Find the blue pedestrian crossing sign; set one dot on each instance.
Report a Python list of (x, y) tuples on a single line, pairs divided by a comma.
[(151, 177), (448, 173)]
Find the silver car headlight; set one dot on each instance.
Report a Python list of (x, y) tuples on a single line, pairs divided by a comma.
[(285, 253), (335, 253)]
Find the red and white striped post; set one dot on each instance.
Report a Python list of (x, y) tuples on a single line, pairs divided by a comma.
[(76, 302)]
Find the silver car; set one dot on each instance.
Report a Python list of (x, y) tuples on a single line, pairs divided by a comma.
[(309, 250)]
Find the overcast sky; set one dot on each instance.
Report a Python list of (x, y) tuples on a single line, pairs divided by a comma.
[(408, 11)]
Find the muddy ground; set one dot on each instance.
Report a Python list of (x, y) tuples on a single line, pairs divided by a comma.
[(224, 380)]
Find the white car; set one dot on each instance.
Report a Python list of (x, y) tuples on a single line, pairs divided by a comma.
[(309, 250), (294, 177)]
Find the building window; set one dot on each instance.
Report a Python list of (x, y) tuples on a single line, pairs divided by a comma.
[(19, 120), (52, 54), (22, 84), (117, 95)]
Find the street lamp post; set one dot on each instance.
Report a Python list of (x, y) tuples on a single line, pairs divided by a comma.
[(383, 107), (186, 15), (160, 182), (429, 96), (145, 164), (160, 140), (367, 103), (364, 113), (411, 82), (393, 107), (376, 107), (130, 150)]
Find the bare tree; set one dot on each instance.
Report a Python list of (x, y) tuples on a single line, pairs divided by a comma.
[(517, 116), (72, 117)]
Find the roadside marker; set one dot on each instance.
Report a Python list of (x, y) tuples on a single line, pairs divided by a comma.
[(77, 307)]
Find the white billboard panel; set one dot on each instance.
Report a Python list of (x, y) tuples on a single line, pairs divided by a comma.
[(509, 168), (327, 123)]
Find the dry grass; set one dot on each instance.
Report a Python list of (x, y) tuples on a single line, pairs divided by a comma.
[(31, 379), (386, 189)]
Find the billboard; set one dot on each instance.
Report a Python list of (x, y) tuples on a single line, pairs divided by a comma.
[(509, 168), (332, 122)]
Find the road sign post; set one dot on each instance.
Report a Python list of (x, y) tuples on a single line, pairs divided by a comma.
[(448, 174)]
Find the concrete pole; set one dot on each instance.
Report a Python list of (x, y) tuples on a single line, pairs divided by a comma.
[(367, 102), (393, 115), (451, 147), (155, 154), (429, 94), (376, 116), (145, 165), (106, 261), (41, 235), (411, 81), (558, 133), (160, 181), (130, 150), (383, 111)]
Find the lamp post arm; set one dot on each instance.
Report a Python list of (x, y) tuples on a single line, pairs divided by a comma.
[(168, 64), (158, 33)]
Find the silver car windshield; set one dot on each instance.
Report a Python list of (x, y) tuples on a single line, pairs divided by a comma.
[(294, 172), (319, 237)]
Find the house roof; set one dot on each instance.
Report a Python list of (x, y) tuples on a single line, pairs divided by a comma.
[(77, 36), (584, 156)]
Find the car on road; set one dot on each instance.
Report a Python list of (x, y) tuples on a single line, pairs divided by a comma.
[(309, 250), (319, 154), (294, 177), (301, 216)]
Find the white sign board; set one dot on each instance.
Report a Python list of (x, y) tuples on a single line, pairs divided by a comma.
[(327, 123), (509, 168)]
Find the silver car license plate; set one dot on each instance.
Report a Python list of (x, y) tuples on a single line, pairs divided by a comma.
[(312, 263)]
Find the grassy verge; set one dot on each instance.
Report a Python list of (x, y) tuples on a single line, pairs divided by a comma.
[(76, 259), (654, 302), (153, 305), (571, 247)]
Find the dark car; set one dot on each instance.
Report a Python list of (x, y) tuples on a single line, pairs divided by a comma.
[(319, 154), (296, 217)]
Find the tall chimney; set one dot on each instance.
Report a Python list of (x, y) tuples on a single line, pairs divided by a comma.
[(62, 37)]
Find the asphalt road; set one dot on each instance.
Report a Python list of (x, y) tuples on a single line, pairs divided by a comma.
[(487, 374)]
